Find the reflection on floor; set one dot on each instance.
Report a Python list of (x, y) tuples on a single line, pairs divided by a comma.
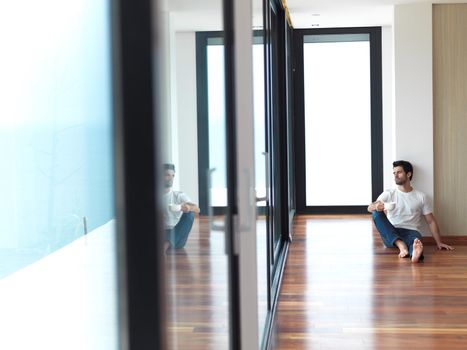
[(197, 296), (197, 292), (343, 290)]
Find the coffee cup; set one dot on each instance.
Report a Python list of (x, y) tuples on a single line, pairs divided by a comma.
[(175, 207), (389, 205)]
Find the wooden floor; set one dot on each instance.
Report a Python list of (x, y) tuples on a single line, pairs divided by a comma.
[(343, 290), (197, 289), (197, 299)]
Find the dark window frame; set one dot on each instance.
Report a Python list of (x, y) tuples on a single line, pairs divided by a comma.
[(376, 119), (139, 250), (203, 39), (202, 42)]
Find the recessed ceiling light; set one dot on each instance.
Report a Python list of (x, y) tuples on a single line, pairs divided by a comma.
[(316, 14)]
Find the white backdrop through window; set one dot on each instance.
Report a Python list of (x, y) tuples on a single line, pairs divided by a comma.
[(337, 119)]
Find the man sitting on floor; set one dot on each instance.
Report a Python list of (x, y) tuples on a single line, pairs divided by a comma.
[(405, 208), (179, 213)]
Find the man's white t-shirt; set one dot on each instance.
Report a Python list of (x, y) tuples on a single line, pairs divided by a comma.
[(173, 197), (409, 209)]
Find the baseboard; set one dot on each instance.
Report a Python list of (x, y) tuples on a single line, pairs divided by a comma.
[(451, 240)]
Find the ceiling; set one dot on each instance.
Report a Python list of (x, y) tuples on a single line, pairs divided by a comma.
[(188, 15), (346, 13)]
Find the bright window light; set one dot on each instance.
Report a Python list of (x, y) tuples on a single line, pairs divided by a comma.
[(216, 115), (337, 120)]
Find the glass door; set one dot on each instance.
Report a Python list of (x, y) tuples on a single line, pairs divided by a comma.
[(200, 259)]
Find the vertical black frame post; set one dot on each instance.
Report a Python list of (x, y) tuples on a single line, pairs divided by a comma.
[(376, 111), (376, 119), (299, 106), (139, 223), (202, 120), (231, 145)]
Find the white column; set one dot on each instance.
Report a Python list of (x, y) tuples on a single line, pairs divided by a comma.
[(162, 63), (413, 86), (413, 92), (185, 113)]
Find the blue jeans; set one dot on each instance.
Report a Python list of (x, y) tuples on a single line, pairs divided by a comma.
[(389, 234), (179, 234)]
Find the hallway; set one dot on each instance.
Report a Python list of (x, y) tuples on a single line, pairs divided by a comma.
[(343, 290)]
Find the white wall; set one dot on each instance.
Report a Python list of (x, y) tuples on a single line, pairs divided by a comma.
[(413, 92), (184, 113), (162, 76)]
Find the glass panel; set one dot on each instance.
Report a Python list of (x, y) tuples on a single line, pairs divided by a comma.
[(274, 129), (216, 115), (290, 122), (260, 121), (337, 119), (57, 247), (197, 269), (261, 181)]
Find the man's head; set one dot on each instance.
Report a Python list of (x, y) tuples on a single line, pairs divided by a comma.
[(403, 171), (169, 174)]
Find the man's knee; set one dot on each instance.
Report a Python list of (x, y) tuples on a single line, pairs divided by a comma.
[(186, 222), (189, 216), (182, 230), (380, 220), (377, 214)]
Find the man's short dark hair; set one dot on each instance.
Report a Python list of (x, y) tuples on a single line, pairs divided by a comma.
[(169, 166), (408, 168)]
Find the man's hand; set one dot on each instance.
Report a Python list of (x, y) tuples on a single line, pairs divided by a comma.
[(185, 207), (444, 246), (378, 206)]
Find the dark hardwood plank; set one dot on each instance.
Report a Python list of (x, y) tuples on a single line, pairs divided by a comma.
[(197, 289), (197, 299), (342, 289)]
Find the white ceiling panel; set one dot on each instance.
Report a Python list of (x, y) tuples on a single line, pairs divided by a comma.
[(346, 13)]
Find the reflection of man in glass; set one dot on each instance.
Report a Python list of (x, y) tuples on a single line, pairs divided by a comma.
[(179, 211)]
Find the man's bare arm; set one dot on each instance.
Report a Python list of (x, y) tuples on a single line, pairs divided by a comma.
[(434, 228)]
